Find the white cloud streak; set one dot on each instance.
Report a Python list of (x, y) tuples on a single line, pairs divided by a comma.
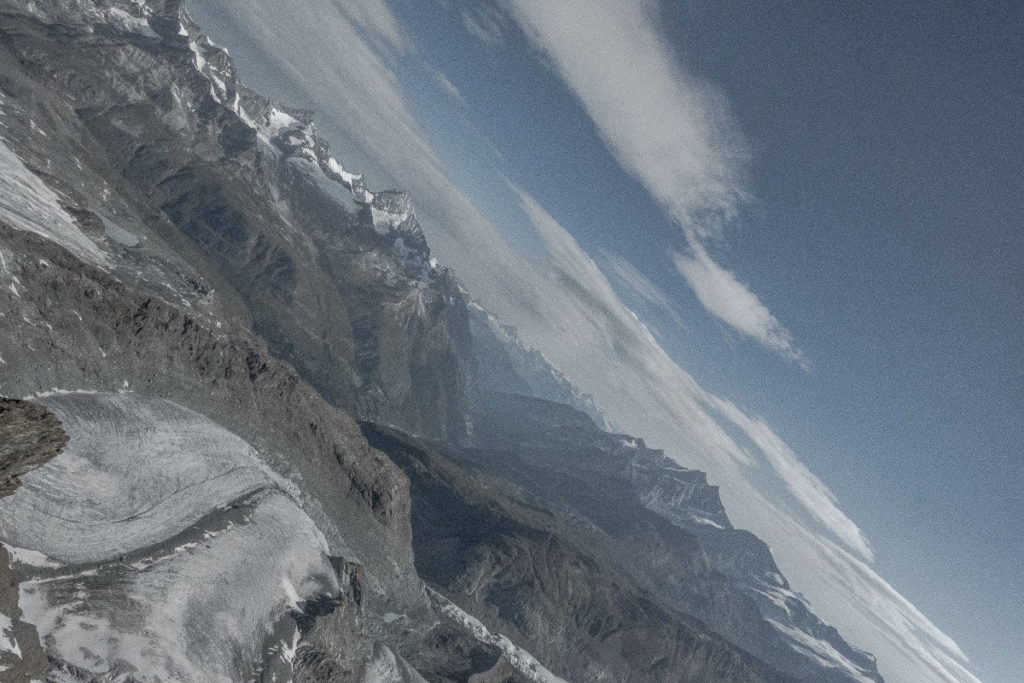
[(448, 88), (628, 276), (378, 25), (485, 23), (722, 294), (317, 55), (664, 126), (814, 495), (577, 272)]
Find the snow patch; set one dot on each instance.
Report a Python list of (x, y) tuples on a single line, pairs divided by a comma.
[(354, 181), (288, 652), (30, 558), (58, 392), (820, 651), (28, 204), (524, 662), (386, 221), (136, 474), (119, 234), (7, 641), (707, 522), (130, 23), (281, 119), (198, 59), (385, 667), (291, 595)]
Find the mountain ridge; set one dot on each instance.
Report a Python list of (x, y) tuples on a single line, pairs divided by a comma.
[(177, 250)]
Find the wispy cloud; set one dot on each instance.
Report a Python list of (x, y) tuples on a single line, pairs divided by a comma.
[(485, 22), (574, 316), (915, 649), (629, 277), (813, 495), (720, 292), (448, 88), (666, 127), (378, 26)]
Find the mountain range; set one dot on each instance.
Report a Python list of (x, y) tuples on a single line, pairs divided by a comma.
[(252, 431)]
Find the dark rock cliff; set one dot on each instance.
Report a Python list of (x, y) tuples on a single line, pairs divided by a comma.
[(30, 436)]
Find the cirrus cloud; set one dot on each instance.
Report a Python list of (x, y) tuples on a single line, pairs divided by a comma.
[(667, 128), (722, 294)]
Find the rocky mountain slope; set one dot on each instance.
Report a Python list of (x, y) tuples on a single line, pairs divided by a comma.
[(197, 304), (603, 555)]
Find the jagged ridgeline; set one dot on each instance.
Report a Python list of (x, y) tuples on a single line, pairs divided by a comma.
[(262, 436)]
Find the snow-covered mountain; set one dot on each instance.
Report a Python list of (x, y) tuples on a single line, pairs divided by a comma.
[(255, 432)]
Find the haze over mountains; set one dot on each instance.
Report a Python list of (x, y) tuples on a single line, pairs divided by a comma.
[(258, 431)]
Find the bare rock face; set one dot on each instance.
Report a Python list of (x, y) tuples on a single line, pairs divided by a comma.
[(168, 251), (30, 436), (22, 658), (104, 296), (124, 334), (504, 364)]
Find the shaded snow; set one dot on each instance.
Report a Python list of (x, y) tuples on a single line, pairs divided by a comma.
[(115, 232), (135, 471), (386, 667), (180, 549), (128, 22), (820, 651), (385, 221), (28, 204), (280, 119), (27, 557)]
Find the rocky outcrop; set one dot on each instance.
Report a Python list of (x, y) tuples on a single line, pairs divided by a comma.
[(734, 585), (30, 436), (160, 243), (110, 334)]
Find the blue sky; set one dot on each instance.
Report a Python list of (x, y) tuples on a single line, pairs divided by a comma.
[(815, 213)]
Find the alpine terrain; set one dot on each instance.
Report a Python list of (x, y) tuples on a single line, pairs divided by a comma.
[(251, 431)]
